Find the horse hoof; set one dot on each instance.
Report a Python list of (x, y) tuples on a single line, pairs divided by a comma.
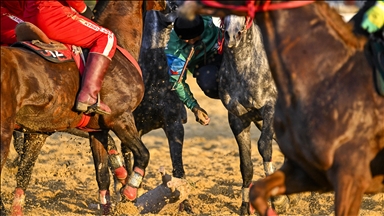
[(130, 193), (106, 208), (280, 203), (246, 209), (186, 206)]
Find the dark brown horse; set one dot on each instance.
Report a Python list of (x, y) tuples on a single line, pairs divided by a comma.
[(38, 96), (329, 117)]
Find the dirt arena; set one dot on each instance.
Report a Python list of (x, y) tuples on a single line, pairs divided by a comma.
[(63, 181)]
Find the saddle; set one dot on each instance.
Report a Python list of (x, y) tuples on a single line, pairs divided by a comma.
[(32, 38)]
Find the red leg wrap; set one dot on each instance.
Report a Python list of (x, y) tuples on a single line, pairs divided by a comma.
[(18, 202)]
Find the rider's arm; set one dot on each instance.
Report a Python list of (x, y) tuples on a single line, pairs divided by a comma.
[(176, 61), (182, 88)]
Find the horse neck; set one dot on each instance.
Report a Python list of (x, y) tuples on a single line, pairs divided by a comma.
[(125, 20), (155, 38), (156, 31), (251, 45), (313, 51)]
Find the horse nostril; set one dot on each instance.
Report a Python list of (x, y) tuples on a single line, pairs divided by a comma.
[(238, 35)]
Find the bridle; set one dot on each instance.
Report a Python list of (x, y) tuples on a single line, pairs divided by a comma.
[(251, 8)]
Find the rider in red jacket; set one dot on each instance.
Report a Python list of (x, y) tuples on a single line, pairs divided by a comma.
[(11, 15), (69, 22)]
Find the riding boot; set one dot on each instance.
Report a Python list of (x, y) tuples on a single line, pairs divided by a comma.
[(92, 79)]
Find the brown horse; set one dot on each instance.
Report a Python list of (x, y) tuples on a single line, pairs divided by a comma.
[(38, 96), (329, 117)]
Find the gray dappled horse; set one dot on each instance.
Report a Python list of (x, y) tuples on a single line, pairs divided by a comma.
[(247, 90)]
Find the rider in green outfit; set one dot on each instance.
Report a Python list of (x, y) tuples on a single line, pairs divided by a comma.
[(202, 36)]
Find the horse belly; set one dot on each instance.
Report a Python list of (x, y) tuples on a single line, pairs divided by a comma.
[(49, 118)]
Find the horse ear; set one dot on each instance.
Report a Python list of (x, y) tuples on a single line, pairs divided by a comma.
[(156, 5)]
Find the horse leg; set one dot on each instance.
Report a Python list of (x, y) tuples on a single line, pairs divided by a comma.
[(6, 137), (175, 136), (241, 130), (99, 145), (125, 129), (264, 144), (289, 179), (18, 143), (116, 165), (350, 176), (28, 152)]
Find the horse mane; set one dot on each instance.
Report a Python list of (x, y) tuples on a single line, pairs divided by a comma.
[(124, 19), (99, 8), (343, 30)]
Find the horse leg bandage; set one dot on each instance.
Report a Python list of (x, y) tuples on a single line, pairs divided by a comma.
[(117, 166), (130, 190)]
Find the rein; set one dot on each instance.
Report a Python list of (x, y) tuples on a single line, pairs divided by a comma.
[(251, 8)]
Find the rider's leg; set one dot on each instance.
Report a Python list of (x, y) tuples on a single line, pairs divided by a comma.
[(91, 82)]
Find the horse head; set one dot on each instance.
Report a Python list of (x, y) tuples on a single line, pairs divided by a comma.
[(170, 13), (235, 28)]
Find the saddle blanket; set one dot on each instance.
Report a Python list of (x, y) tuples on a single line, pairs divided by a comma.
[(52, 53)]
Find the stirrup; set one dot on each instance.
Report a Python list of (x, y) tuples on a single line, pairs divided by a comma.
[(96, 108)]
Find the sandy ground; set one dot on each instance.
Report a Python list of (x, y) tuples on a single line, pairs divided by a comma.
[(63, 181)]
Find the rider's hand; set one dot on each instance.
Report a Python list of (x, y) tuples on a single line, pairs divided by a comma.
[(201, 115), (374, 18), (88, 13)]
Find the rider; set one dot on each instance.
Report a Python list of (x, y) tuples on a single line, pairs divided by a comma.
[(11, 15), (70, 22), (205, 60)]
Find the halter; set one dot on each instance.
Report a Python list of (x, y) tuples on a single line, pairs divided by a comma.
[(251, 8)]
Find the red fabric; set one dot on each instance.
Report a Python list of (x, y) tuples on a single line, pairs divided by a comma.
[(14, 7), (61, 23), (9, 19), (32, 6), (131, 59)]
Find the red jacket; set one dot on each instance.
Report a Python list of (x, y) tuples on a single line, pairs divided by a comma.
[(31, 6)]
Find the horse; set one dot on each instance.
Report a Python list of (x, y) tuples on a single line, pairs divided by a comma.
[(30, 99), (248, 92), (328, 115), (160, 107)]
